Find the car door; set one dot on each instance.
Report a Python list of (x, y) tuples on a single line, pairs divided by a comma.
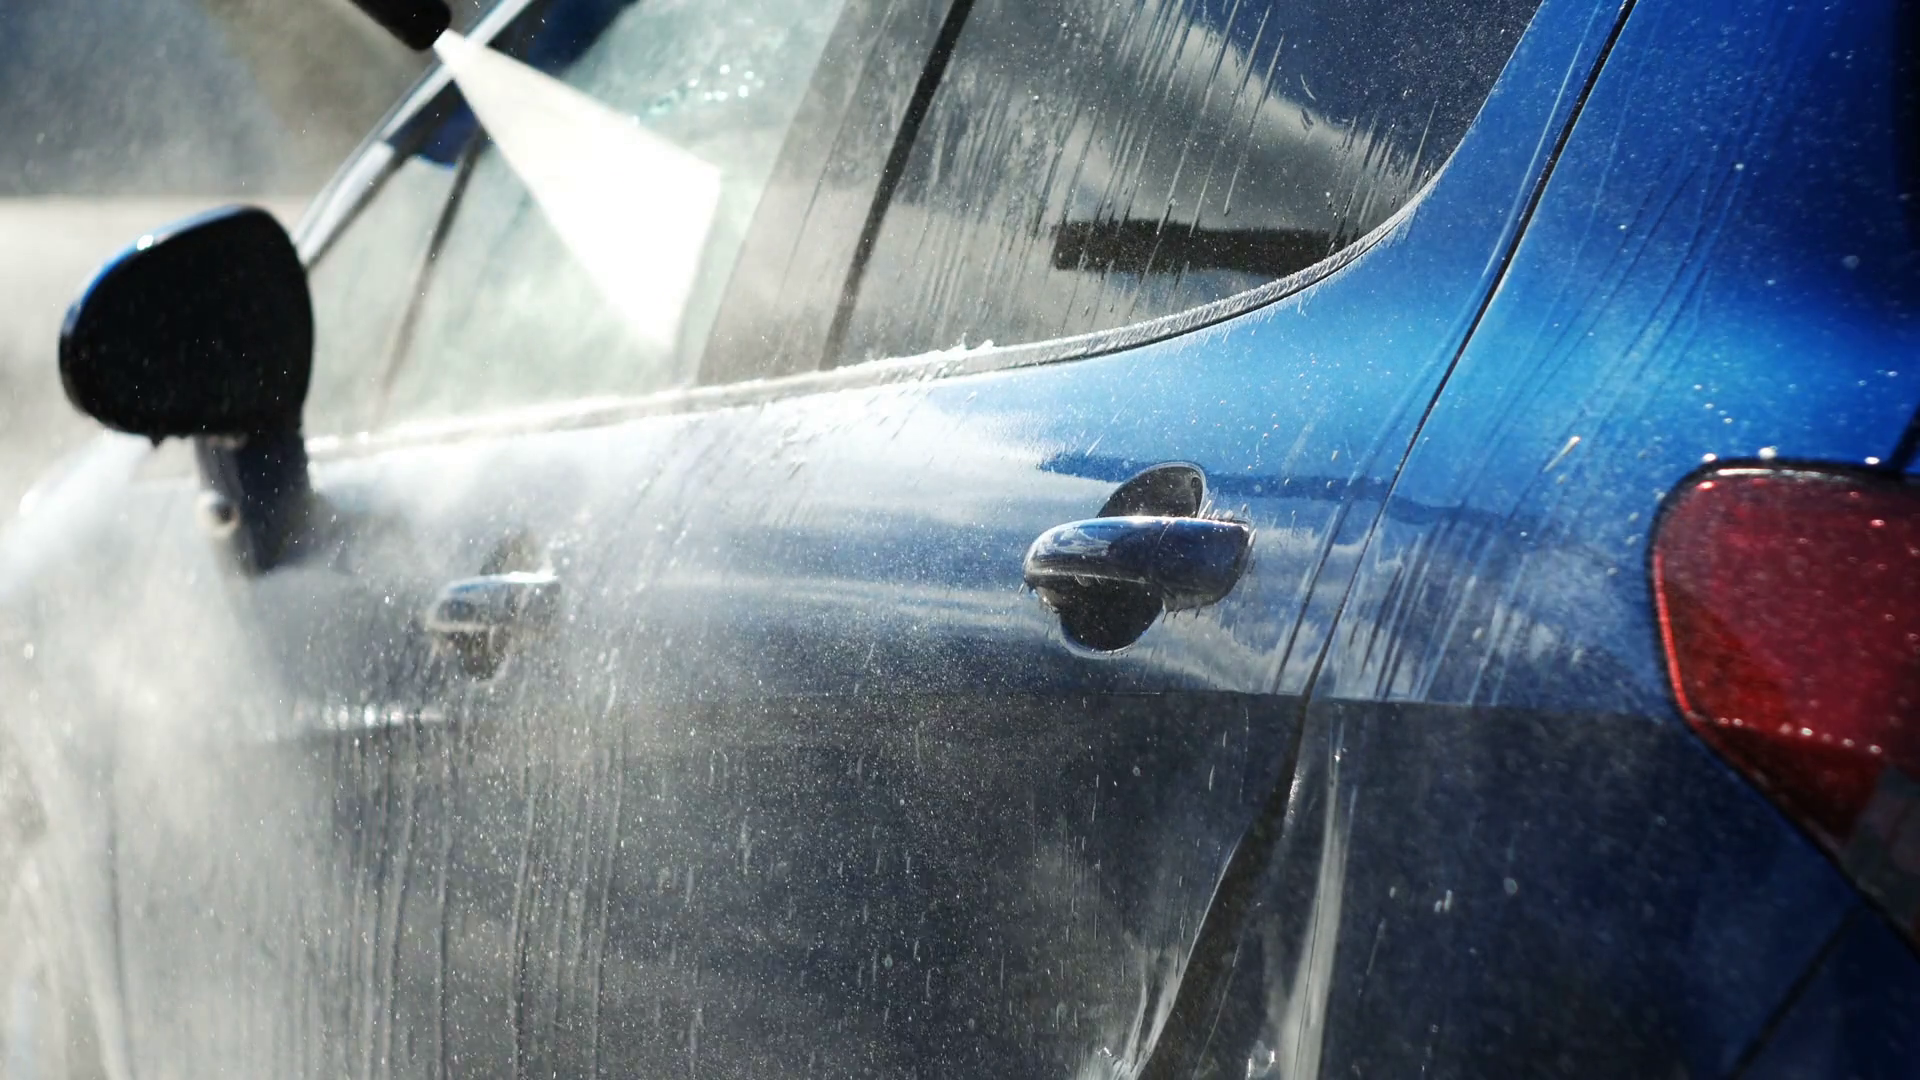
[(620, 715)]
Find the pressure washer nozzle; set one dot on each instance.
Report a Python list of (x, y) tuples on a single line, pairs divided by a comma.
[(416, 22)]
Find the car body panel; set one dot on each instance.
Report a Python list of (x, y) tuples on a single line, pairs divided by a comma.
[(792, 650), (1855, 1015), (1715, 269), (799, 777), (1704, 277)]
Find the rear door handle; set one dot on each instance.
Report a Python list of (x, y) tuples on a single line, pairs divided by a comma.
[(1182, 562), (494, 602)]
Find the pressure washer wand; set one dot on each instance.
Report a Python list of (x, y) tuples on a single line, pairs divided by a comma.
[(416, 22)]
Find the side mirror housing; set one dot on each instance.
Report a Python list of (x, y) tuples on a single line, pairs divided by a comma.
[(200, 328), (205, 329)]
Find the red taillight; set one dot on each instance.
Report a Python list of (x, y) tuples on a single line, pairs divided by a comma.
[(1789, 603)]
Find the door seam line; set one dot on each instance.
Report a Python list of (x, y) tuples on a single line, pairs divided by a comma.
[(905, 138), (1233, 891), (1473, 328)]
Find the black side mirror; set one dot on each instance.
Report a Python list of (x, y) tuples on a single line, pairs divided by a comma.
[(201, 328), (205, 328)]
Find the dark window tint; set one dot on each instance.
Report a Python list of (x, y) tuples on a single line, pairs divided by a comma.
[(1091, 163)]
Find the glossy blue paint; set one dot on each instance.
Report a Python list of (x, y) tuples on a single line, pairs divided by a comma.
[(791, 768), (1581, 894), (792, 644), (1721, 265)]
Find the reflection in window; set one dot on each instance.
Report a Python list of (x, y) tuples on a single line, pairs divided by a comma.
[(1087, 164)]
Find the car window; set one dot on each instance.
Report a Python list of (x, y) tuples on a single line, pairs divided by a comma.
[(361, 288), (586, 258), (1086, 164), (788, 284)]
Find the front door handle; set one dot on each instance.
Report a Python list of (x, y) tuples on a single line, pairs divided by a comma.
[(494, 602), (1110, 577), (1187, 562), (473, 618)]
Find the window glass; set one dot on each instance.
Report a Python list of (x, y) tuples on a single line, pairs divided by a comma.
[(361, 288), (596, 231), (1090, 163), (787, 288)]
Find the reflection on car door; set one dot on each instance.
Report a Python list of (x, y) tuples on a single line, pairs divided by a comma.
[(1493, 733), (738, 743), (801, 777)]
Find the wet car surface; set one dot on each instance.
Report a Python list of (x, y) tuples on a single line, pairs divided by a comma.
[(904, 537)]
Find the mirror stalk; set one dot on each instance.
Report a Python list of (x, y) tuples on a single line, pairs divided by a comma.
[(258, 495)]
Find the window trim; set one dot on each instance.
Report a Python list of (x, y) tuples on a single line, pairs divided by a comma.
[(338, 204)]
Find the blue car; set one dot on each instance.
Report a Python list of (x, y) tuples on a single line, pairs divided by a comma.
[(1005, 538)]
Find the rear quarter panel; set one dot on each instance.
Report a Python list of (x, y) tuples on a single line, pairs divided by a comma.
[(1508, 854)]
